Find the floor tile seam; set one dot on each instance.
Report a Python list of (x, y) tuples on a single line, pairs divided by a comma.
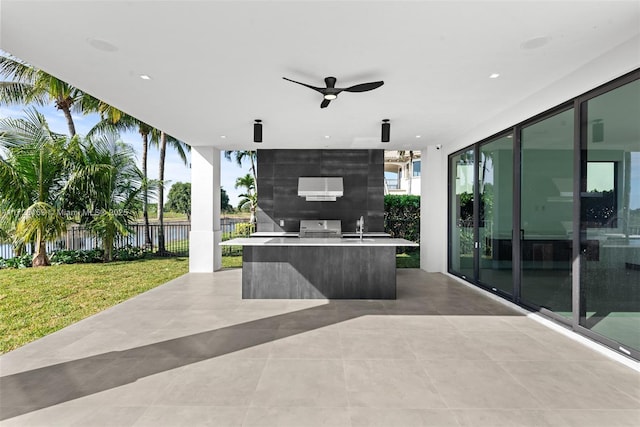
[(160, 393), (533, 393), (615, 386), (435, 386), (390, 359), (246, 414), (470, 335), (605, 410), (585, 373), (304, 358), (346, 387), (625, 392), (409, 344), (557, 349), (137, 418), (371, 331), (151, 406), (260, 378)]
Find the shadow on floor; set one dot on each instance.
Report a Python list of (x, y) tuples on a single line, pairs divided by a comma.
[(51, 385)]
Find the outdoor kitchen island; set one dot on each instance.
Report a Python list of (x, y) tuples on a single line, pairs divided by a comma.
[(308, 268)]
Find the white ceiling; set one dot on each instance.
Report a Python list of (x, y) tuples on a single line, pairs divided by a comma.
[(215, 66)]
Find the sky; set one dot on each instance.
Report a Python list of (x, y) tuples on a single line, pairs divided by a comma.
[(175, 169)]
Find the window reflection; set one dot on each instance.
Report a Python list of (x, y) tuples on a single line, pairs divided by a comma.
[(547, 213), (461, 239), (496, 212), (610, 217)]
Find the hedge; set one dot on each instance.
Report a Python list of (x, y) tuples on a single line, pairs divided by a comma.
[(402, 218)]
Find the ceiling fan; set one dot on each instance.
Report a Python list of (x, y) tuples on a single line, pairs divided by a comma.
[(331, 91)]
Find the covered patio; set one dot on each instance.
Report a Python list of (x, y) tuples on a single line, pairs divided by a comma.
[(192, 352)]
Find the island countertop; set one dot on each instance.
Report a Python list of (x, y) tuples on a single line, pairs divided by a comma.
[(313, 241), (296, 234)]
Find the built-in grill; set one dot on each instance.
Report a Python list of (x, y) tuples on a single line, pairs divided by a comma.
[(320, 228)]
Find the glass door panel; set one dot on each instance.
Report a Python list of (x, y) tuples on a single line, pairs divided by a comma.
[(496, 211), (546, 212), (461, 239), (610, 217)]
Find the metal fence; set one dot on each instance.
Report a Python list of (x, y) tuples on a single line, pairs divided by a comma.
[(231, 228), (176, 238)]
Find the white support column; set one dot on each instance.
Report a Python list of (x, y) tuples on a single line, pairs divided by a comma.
[(205, 253), (433, 210)]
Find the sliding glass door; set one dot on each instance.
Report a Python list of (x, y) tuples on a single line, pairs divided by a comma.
[(546, 207), (461, 231), (610, 217), (495, 225), (547, 214)]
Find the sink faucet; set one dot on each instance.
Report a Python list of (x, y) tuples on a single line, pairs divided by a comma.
[(360, 226)]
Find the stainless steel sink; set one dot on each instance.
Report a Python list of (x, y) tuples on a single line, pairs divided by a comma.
[(356, 240)]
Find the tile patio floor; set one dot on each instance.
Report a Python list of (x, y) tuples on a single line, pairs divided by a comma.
[(192, 352)]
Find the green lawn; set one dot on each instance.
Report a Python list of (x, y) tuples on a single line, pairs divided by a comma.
[(35, 302), (411, 260), (232, 261)]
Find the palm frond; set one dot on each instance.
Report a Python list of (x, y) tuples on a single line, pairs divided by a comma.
[(16, 70), (40, 221)]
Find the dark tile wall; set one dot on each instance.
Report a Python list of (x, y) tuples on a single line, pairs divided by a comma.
[(363, 178)]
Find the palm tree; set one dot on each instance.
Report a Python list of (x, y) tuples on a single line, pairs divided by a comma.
[(249, 198), (113, 121), (32, 173), (239, 157), (105, 175), (29, 85), (181, 148)]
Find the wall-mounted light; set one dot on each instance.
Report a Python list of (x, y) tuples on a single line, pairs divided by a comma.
[(386, 130), (257, 131), (597, 131)]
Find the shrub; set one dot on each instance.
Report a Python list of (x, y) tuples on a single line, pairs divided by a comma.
[(129, 253), (243, 229), (75, 256), (22, 261), (402, 218)]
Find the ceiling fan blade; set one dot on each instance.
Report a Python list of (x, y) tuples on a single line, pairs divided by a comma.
[(325, 103), (330, 82), (364, 87), (319, 89)]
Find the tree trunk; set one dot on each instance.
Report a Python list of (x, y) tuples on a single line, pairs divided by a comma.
[(67, 114), (40, 259), (162, 251), (108, 249), (254, 172), (145, 192)]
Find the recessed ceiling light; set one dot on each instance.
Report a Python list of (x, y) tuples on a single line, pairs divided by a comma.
[(418, 136), (327, 136), (534, 43), (494, 76), (102, 45), (223, 136), (145, 77)]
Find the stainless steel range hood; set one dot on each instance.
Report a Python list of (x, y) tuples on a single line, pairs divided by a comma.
[(320, 188)]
